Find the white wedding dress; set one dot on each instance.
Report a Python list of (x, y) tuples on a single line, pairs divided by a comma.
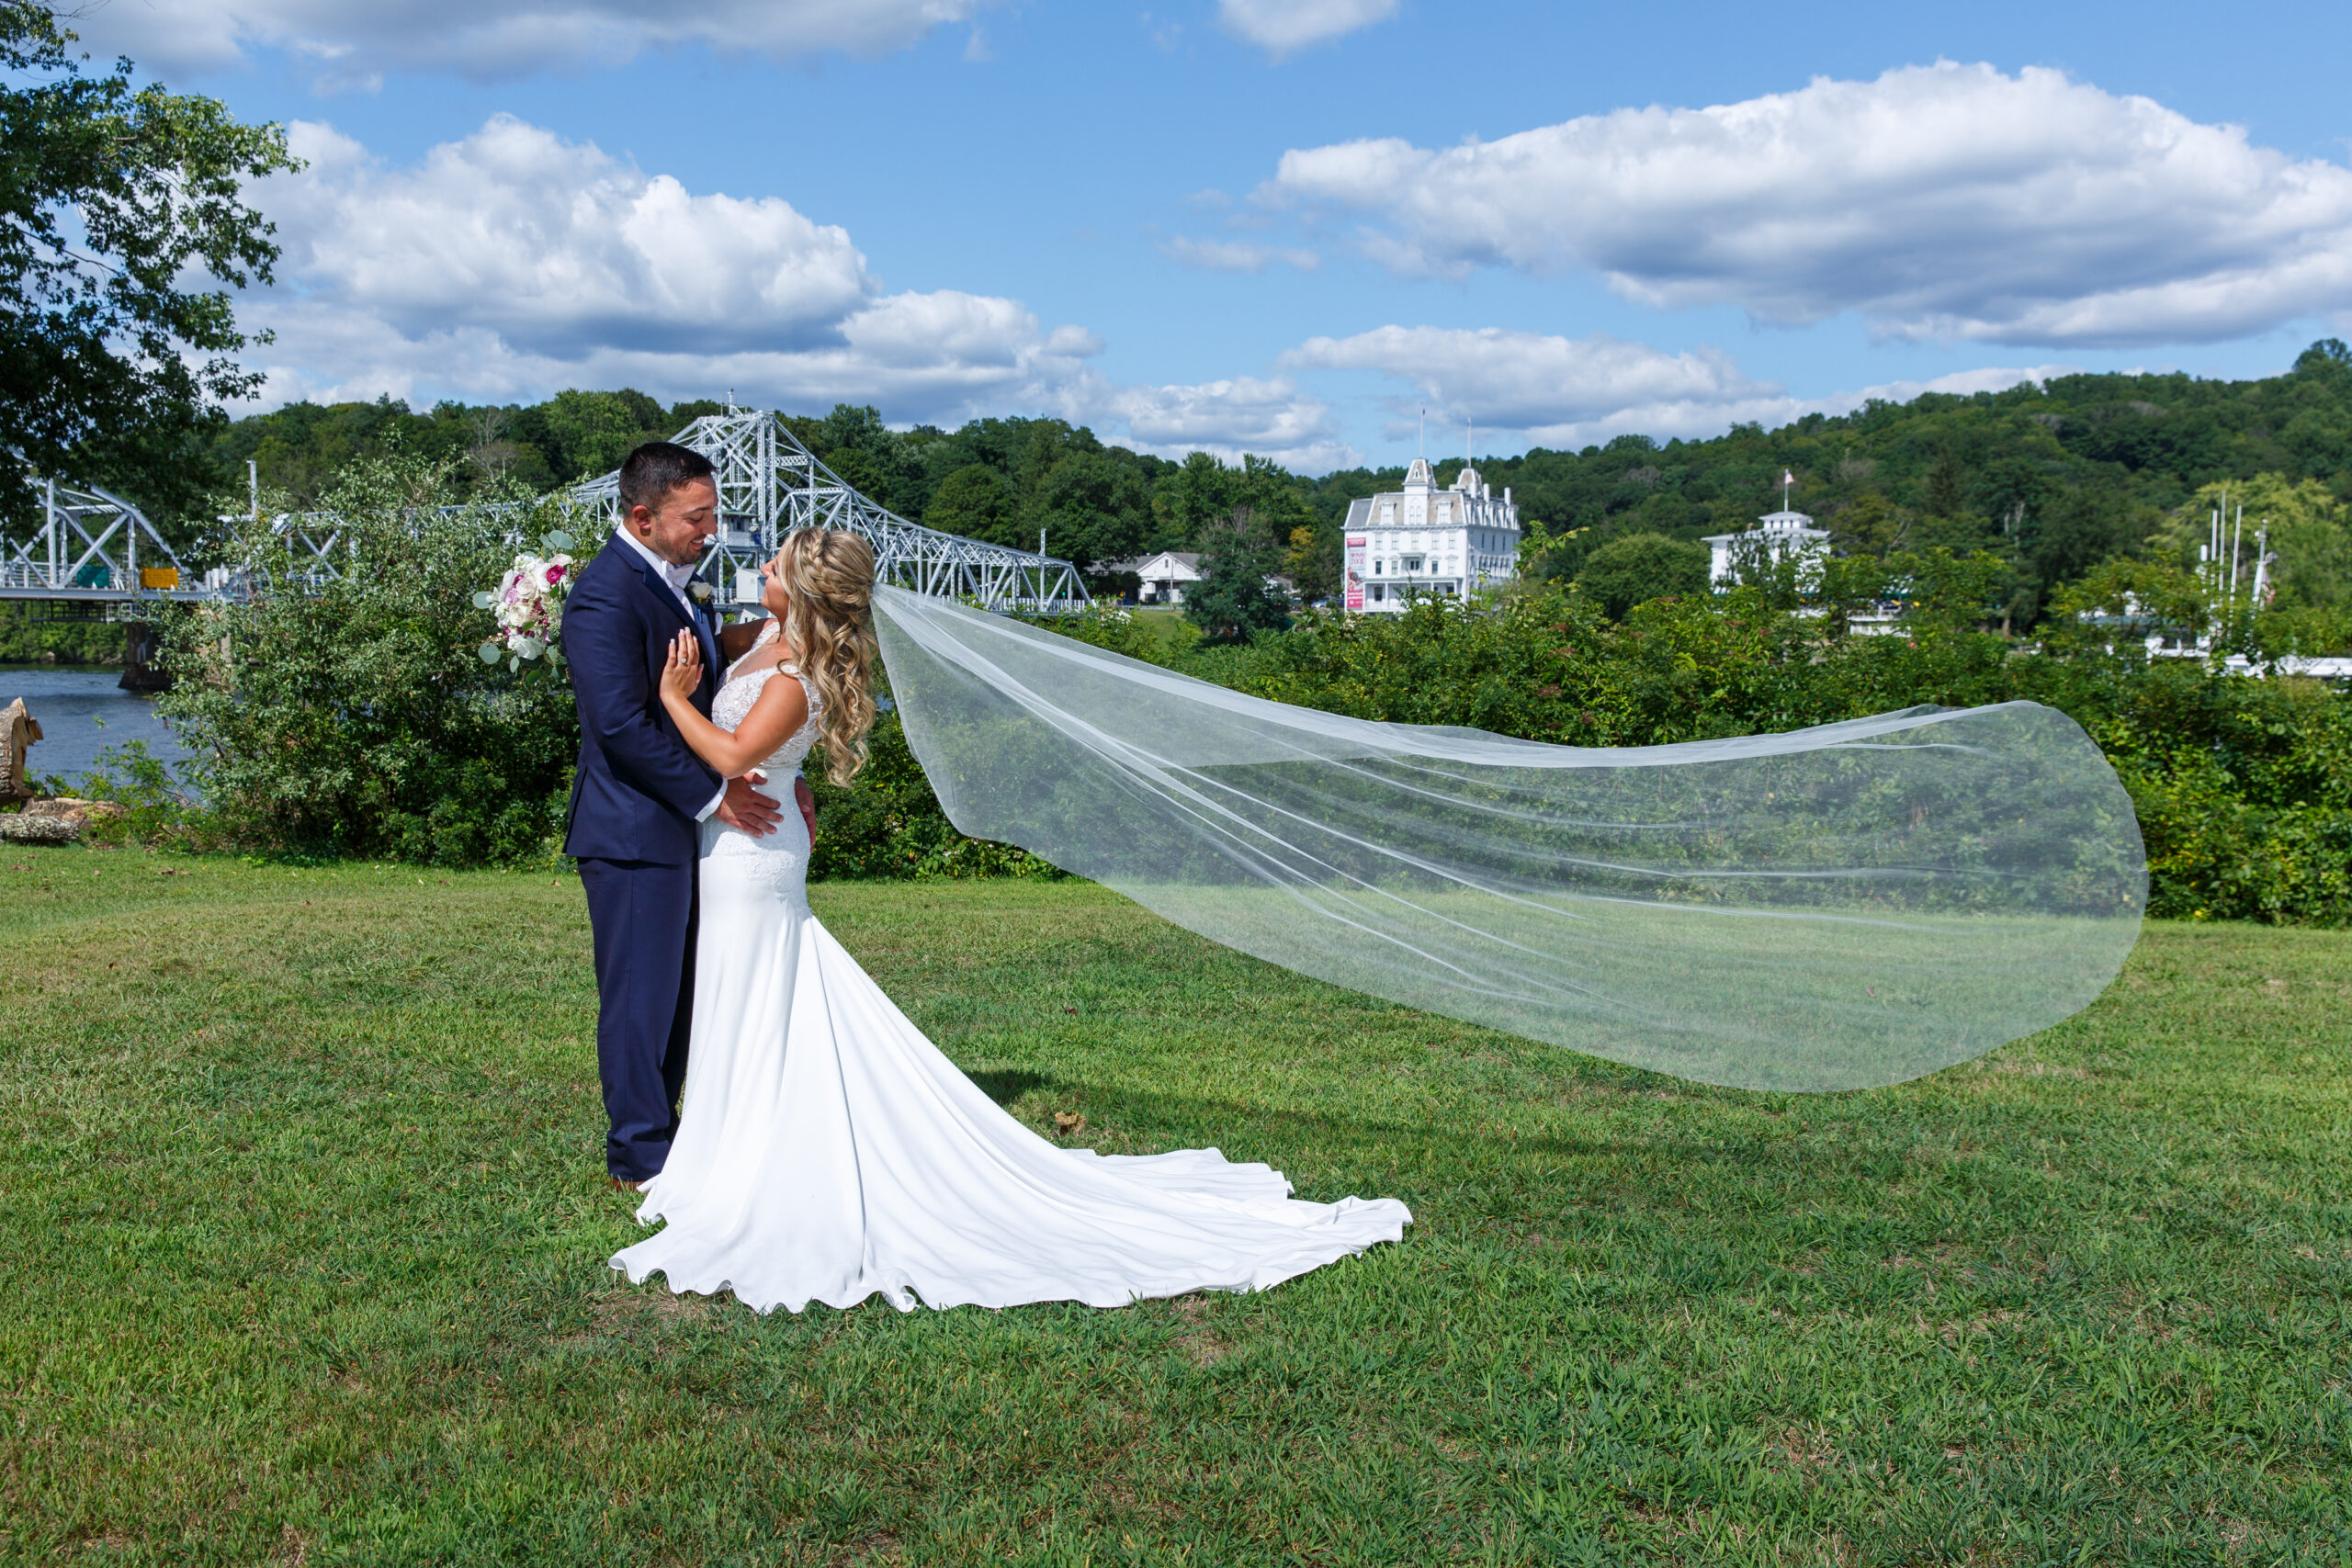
[(826, 1151)]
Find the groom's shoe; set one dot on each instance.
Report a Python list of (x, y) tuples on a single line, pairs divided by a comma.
[(620, 1185)]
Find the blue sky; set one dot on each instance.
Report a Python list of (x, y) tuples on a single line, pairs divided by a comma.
[(1279, 225)]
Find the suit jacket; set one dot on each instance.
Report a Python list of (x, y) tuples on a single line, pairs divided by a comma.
[(638, 786)]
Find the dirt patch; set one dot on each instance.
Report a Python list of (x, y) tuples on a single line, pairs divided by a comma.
[(1803, 1447), (1953, 1332), (620, 1311), (1199, 1343), (881, 1546)]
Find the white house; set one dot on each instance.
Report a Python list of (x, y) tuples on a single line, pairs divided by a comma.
[(1164, 575), (1420, 539), (1778, 536)]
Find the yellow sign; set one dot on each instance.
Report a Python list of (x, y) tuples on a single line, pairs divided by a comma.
[(159, 577)]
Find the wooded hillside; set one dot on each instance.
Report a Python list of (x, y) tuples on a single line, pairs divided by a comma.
[(2053, 478)]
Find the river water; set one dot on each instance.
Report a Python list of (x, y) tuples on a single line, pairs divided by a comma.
[(82, 713)]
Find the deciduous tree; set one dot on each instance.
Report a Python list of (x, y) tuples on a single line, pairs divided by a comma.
[(118, 205)]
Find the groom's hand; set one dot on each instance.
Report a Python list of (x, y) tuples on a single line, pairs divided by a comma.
[(805, 799), (747, 808)]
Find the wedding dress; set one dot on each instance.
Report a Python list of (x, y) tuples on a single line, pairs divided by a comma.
[(827, 1151)]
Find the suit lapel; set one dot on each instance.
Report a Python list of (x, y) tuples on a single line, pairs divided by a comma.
[(661, 590)]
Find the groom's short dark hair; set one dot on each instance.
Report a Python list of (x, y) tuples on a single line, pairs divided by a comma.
[(656, 468)]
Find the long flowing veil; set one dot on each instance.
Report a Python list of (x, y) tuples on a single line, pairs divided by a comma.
[(1836, 908)]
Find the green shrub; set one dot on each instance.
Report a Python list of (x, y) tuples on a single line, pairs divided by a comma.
[(887, 823), (353, 716), (1638, 568)]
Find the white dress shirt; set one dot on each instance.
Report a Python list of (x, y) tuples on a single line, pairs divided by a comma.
[(677, 577)]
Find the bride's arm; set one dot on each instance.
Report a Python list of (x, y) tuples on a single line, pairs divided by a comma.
[(775, 716)]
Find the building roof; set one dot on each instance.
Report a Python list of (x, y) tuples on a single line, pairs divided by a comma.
[(1784, 524), (1183, 562)]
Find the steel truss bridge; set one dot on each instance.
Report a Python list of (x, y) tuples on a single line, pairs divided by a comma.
[(769, 485), (96, 554)]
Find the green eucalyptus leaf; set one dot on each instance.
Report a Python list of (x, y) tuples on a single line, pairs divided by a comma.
[(488, 653)]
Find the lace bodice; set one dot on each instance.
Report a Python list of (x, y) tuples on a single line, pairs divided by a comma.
[(733, 704)]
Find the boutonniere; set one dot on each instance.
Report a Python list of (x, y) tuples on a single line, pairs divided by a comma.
[(701, 591)]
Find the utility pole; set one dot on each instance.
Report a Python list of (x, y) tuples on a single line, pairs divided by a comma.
[(2236, 539)]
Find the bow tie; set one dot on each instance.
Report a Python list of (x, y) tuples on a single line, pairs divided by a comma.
[(678, 576)]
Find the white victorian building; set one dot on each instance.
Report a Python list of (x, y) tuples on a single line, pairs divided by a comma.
[(1424, 540), (1777, 536)]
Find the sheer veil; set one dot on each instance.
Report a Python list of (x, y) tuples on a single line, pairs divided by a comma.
[(1837, 907)]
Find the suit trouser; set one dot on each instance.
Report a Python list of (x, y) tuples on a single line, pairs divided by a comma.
[(643, 919)]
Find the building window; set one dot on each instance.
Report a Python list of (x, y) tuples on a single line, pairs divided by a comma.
[(1412, 564)]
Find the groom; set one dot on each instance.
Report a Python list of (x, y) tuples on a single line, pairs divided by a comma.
[(639, 792)]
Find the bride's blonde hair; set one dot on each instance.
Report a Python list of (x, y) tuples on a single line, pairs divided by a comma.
[(829, 584)]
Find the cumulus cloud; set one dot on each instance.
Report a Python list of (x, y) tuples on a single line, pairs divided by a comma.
[(1234, 255), (354, 45), (1284, 26), (1568, 393), (1944, 201), (512, 263), (1269, 418)]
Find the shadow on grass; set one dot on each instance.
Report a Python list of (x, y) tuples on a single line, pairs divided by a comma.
[(1005, 1084)]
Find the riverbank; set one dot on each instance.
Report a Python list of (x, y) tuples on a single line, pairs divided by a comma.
[(28, 639), (309, 1223)]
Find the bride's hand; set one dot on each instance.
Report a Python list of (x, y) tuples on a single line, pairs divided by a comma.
[(682, 673)]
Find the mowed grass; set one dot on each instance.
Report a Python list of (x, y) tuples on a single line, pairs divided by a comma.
[(307, 1224)]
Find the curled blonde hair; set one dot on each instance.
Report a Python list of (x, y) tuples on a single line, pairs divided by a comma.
[(829, 584)]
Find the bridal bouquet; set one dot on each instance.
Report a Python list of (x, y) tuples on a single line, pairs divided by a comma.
[(528, 605)]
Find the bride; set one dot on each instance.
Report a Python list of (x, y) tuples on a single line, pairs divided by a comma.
[(826, 1150)]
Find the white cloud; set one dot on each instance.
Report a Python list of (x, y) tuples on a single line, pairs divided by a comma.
[(1284, 26), (1268, 418), (1234, 255), (351, 44), (548, 242), (512, 264), (1944, 201), (1569, 392)]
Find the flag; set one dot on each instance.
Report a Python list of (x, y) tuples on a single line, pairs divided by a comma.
[(1787, 477)]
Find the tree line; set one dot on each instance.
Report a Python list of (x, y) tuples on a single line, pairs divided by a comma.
[(2050, 479)]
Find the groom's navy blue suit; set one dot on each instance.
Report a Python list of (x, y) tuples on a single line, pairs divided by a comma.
[(635, 802)]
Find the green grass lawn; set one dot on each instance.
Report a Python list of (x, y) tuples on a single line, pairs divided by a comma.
[(306, 1226), (1165, 622)]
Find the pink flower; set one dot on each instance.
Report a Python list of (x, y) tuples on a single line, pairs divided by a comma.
[(555, 575)]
